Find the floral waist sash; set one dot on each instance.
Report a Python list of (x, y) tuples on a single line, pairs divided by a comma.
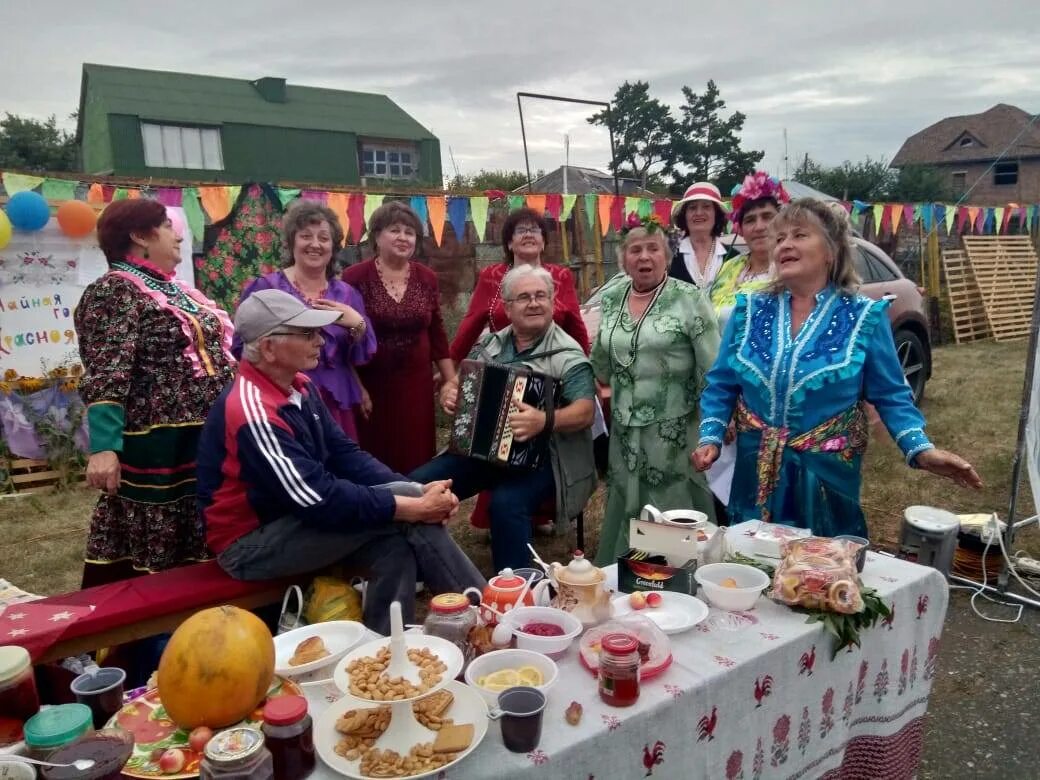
[(844, 435)]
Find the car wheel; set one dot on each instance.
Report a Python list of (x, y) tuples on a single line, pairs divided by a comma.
[(914, 359)]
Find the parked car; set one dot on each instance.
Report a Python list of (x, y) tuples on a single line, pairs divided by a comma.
[(881, 279)]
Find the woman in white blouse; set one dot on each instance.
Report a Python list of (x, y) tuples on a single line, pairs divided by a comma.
[(701, 217)]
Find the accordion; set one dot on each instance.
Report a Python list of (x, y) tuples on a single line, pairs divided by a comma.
[(488, 392)]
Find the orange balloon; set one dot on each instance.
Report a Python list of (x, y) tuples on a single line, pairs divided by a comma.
[(76, 218)]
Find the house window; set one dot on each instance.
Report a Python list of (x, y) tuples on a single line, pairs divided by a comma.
[(384, 161), (1005, 173), (177, 146), (959, 182), (967, 141)]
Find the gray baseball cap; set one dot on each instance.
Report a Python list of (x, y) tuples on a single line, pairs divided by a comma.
[(268, 310)]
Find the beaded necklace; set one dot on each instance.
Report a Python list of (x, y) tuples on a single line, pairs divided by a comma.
[(391, 285), (633, 345), (174, 293)]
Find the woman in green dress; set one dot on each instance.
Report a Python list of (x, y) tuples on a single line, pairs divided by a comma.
[(657, 340)]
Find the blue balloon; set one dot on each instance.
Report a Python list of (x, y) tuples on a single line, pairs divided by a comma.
[(28, 211)]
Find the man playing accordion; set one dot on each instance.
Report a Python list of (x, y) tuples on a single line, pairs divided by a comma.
[(537, 350)]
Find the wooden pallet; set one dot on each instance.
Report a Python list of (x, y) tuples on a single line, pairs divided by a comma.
[(33, 476), (966, 307), (1005, 272)]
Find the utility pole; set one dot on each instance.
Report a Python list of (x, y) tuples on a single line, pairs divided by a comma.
[(787, 172)]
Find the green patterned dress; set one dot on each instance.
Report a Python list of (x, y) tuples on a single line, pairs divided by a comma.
[(656, 371)]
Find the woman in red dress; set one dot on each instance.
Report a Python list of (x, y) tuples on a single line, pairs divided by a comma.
[(524, 235), (402, 301)]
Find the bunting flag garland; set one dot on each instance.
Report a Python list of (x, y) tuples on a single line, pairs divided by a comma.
[(316, 195), (927, 216), (879, 214), (59, 189), (478, 207), (554, 205), (436, 205), (356, 215), (418, 204), (457, 208), (949, 214), (908, 215), (108, 192), (120, 194), (193, 213), (536, 202), (604, 206), (663, 210), (287, 195), (568, 206), (372, 202), (617, 218), (515, 202), (591, 204), (134, 194), (94, 194), (631, 205), (170, 196), (895, 216), (215, 200), (339, 202), (20, 182), (980, 219)]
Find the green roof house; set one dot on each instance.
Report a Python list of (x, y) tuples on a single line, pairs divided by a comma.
[(147, 123)]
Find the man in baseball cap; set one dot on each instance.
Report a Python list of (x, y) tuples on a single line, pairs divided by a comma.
[(285, 492)]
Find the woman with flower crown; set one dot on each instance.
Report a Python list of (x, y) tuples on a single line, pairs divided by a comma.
[(657, 339)]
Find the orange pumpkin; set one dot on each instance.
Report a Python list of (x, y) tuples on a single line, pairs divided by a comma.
[(216, 668)]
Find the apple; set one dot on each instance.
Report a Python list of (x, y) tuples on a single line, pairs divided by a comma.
[(654, 599), (637, 600), (171, 761), (199, 737)]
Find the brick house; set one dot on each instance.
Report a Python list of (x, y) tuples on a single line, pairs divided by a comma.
[(965, 148)]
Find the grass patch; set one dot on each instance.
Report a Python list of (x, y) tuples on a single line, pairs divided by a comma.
[(972, 406)]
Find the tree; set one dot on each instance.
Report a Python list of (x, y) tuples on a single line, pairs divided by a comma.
[(643, 130), (920, 183), (32, 145), (869, 180), (706, 146), (507, 181)]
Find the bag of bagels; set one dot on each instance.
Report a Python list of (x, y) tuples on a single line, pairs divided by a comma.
[(819, 573)]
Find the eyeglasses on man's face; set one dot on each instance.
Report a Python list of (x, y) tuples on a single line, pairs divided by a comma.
[(304, 333), (527, 230), (525, 298)]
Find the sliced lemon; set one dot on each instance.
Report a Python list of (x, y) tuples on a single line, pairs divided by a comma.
[(529, 675), (500, 680), (481, 680)]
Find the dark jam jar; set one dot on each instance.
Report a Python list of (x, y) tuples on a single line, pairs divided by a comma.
[(18, 698), (109, 749), (289, 735), (619, 670)]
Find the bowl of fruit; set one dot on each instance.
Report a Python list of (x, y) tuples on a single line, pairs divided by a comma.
[(731, 586), (498, 670), (545, 630)]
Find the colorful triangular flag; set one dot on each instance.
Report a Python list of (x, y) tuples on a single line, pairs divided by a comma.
[(568, 202), (478, 209), (437, 207), (458, 206)]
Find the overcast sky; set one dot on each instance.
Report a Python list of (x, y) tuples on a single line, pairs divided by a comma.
[(845, 79)]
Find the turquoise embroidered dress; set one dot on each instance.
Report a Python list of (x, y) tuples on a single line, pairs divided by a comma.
[(801, 430)]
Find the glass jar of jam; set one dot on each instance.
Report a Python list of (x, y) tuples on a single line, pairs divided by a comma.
[(451, 617), (18, 697), (619, 669), (289, 735), (237, 754), (53, 728), (110, 749)]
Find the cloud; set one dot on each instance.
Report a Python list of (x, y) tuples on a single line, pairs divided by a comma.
[(845, 81)]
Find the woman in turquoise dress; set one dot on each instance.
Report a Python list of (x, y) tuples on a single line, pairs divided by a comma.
[(797, 361), (657, 339)]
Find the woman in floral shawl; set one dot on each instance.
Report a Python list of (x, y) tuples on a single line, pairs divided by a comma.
[(657, 339), (156, 354)]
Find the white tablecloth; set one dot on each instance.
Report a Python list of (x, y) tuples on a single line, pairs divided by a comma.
[(749, 695)]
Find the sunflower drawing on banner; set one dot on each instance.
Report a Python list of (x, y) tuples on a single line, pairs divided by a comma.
[(242, 246)]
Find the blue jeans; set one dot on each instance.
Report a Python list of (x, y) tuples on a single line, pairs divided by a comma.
[(394, 557), (515, 495)]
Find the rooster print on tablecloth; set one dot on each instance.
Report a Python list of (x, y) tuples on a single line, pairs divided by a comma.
[(763, 687), (890, 617), (706, 725), (922, 605), (807, 662), (652, 756)]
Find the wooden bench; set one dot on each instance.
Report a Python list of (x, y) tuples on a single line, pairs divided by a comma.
[(158, 603)]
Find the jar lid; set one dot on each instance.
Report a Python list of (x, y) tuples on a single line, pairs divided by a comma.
[(580, 571), (284, 710), (55, 726), (449, 603), (619, 644), (931, 519), (13, 661), (234, 745), (507, 579)]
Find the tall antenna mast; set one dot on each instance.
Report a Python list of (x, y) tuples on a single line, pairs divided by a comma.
[(787, 172)]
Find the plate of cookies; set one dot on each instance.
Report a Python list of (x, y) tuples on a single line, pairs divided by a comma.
[(312, 647), (353, 738)]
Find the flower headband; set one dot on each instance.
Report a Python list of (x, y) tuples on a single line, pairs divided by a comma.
[(756, 185), (651, 223)]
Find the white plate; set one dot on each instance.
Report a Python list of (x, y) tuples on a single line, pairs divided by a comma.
[(678, 611), (448, 652), (468, 707), (338, 635)]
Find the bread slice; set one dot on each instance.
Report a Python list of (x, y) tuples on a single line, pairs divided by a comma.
[(310, 649)]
